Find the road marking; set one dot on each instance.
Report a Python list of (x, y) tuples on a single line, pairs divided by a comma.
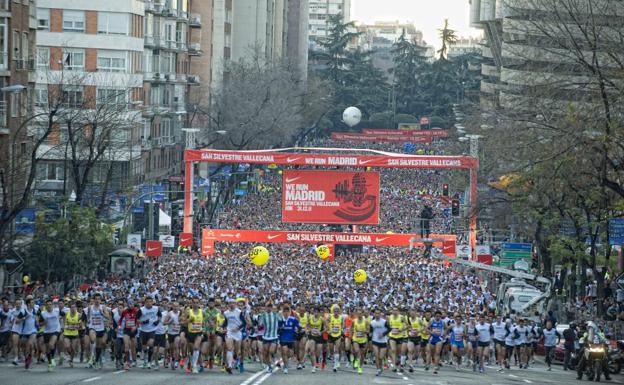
[(250, 379), (405, 378), (92, 379), (528, 381), (263, 378), (119, 371), (512, 375)]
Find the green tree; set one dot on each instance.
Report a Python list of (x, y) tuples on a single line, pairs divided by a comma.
[(76, 243), (448, 37), (409, 62), (334, 52)]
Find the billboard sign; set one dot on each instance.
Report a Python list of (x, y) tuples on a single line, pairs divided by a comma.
[(153, 248), (167, 240), (339, 197)]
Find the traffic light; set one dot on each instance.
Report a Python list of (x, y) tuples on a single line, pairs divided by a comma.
[(445, 189), (455, 207)]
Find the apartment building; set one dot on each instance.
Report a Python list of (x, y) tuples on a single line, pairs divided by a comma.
[(319, 12), (92, 53), (18, 27), (133, 54), (172, 40)]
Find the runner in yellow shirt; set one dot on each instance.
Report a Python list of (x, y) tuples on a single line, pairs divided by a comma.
[(335, 324), (361, 327), (73, 322)]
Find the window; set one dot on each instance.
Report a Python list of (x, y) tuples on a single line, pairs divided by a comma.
[(4, 42), (165, 128), (43, 19), (73, 96), (111, 61), (73, 21), (155, 96), (25, 47), (43, 57), (14, 104), (73, 59), (50, 171), (111, 96), (17, 47), (113, 23), (41, 95)]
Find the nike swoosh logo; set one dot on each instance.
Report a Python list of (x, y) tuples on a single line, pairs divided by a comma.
[(227, 235), (290, 160), (273, 236), (381, 239), (366, 161), (290, 180), (185, 239), (152, 248)]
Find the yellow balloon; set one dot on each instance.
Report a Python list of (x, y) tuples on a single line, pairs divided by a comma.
[(359, 276), (259, 256), (26, 279), (322, 251)]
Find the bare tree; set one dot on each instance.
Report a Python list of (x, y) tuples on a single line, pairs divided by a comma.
[(261, 104)]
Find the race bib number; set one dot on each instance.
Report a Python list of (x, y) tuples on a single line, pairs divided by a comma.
[(71, 327), (316, 331), (335, 329), (96, 321), (175, 329), (196, 327), (130, 323), (395, 331), (359, 334)]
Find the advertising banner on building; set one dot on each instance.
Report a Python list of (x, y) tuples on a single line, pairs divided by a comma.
[(153, 248), (207, 242), (344, 197)]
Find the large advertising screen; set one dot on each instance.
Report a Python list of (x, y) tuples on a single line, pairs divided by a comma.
[(339, 197)]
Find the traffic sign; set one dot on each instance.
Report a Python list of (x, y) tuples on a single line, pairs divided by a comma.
[(616, 231), (620, 280), (512, 252)]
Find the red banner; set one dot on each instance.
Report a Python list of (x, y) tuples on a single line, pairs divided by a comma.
[(300, 237), (407, 133), (331, 160), (186, 239), (378, 138), (343, 197), (153, 248), (207, 243)]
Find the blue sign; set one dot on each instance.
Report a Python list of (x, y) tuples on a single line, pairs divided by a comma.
[(517, 246), (138, 210), (240, 192), (616, 231), (25, 221)]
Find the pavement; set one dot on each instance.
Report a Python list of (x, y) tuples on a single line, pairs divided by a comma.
[(38, 375)]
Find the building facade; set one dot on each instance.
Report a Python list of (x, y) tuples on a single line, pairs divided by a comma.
[(18, 27), (464, 46), (130, 56), (319, 12)]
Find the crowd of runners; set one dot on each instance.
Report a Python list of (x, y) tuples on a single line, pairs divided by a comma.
[(208, 324), (193, 314)]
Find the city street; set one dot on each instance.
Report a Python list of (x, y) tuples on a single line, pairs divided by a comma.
[(38, 375)]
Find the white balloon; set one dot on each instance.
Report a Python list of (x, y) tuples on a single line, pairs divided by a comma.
[(351, 116)]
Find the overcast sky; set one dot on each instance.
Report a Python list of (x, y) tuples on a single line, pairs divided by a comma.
[(427, 15)]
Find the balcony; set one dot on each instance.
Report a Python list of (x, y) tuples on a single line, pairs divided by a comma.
[(149, 42), (183, 15), (153, 6), (194, 49), (24, 64), (169, 12), (195, 20), (193, 80), (170, 77), (154, 77), (146, 144)]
